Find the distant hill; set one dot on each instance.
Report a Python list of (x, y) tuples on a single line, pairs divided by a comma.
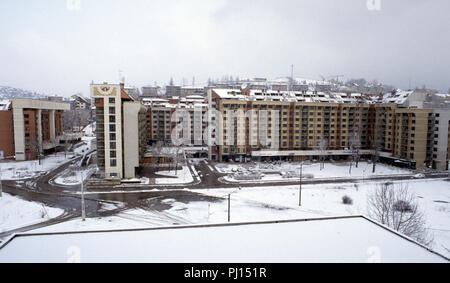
[(7, 92)]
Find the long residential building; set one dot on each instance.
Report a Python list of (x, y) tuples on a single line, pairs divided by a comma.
[(293, 125), (30, 127)]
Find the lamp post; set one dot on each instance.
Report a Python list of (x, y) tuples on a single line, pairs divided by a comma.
[(229, 204), (229, 208), (83, 205), (1, 188), (300, 192)]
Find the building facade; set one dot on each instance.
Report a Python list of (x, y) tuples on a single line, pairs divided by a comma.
[(31, 127), (121, 135), (298, 125), (164, 115)]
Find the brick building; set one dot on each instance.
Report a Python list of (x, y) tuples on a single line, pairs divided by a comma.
[(30, 127)]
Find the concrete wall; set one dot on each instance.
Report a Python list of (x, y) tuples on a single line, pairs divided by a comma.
[(134, 131)]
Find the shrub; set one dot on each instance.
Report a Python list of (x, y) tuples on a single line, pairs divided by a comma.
[(402, 206), (347, 200)]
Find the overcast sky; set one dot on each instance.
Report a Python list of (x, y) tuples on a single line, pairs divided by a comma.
[(53, 47)]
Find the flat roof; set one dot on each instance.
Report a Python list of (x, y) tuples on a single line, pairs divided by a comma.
[(23, 103), (334, 239)]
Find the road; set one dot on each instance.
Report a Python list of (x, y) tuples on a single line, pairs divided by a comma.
[(67, 198)]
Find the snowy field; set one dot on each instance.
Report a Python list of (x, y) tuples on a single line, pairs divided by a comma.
[(16, 213), (174, 177), (30, 169), (326, 200), (284, 171), (275, 203)]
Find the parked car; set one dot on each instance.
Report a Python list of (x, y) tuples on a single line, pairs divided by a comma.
[(419, 176)]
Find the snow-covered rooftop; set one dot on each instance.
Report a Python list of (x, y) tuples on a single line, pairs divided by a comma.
[(293, 96), (4, 104), (339, 239)]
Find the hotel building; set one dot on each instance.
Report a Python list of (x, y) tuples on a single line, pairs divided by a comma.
[(121, 131)]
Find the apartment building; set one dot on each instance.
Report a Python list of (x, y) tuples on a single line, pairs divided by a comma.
[(30, 128), (176, 118), (298, 125), (441, 139), (121, 131)]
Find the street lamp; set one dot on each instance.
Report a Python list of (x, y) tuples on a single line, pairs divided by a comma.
[(229, 204), (82, 180), (1, 188), (300, 192)]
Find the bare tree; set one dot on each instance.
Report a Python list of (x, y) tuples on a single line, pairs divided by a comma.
[(36, 147), (157, 150), (397, 208), (355, 144), (323, 146), (179, 157)]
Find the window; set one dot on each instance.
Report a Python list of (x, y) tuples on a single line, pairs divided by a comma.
[(112, 110), (112, 100), (113, 162), (112, 137), (113, 154), (112, 119), (112, 145)]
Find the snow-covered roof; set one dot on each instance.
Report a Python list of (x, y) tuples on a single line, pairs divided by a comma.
[(398, 97), (4, 105), (339, 239)]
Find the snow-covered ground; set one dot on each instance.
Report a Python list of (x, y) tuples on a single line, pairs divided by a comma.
[(326, 200), (285, 171), (182, 176), (281, 202), (16, 213), (31, 169), (89, 131), (69, 177)]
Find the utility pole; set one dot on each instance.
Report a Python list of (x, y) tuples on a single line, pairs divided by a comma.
[(300, 193), (291, 83), (229, 208), (1, 188), (83, 206)]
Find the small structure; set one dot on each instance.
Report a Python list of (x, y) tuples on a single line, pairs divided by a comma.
[(353, 239)]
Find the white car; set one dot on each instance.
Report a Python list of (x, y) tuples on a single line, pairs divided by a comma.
[(419, 176)]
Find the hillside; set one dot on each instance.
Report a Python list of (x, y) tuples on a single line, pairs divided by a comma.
[(7, 92)]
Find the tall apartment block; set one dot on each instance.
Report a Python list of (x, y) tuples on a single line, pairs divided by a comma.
[(414, 136), (30, 127), (121, 131)]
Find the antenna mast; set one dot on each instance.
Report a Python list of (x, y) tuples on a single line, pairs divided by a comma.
[(291, 86)]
